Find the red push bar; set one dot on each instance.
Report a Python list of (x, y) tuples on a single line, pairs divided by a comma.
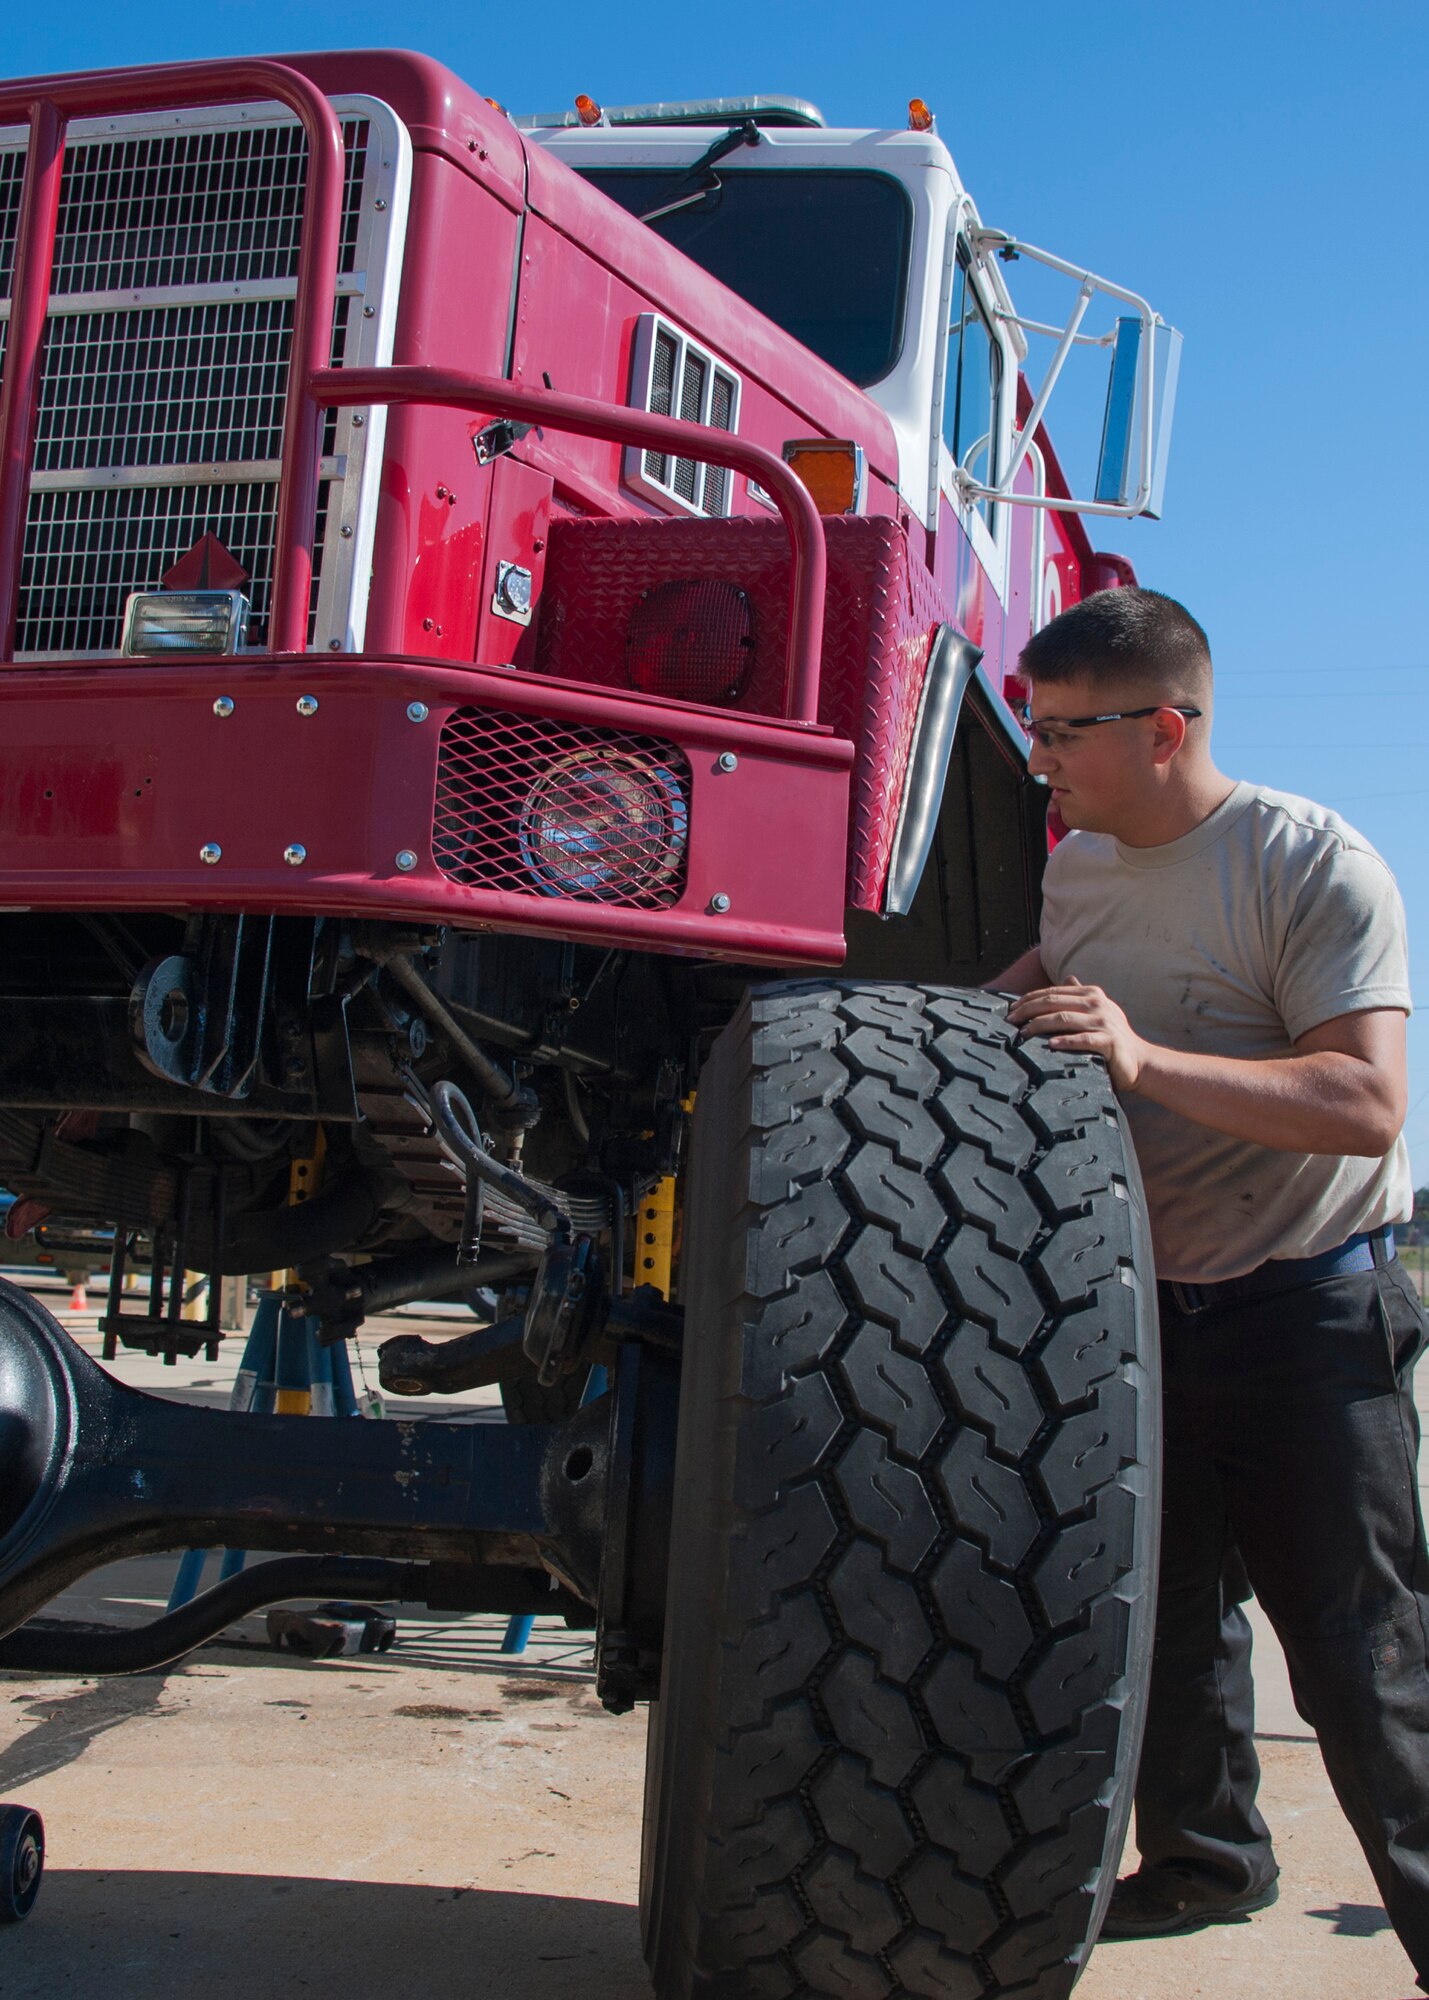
[(343, 387), (47, 104)]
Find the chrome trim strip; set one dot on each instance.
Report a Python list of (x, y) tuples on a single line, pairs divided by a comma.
[(236, 472), (951, 666)]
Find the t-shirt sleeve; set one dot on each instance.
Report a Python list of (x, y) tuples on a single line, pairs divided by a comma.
[(1345, 950), (1054, 898)]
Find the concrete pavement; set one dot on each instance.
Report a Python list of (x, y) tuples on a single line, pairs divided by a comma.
[(441, 1820)]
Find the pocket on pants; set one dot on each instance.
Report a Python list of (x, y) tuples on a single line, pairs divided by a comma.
[(1401, 1318)]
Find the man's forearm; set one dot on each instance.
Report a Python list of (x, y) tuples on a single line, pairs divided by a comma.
[(1343, 1091), (1323, 1103), (1024, 975)]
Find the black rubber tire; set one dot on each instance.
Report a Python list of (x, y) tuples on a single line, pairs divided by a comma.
[(22, 1861), (912, 1559)]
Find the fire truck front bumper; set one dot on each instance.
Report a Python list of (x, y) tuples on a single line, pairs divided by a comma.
[(483, 799)]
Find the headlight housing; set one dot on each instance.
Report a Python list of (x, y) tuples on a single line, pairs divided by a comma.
[(160, 622), (604, 825)]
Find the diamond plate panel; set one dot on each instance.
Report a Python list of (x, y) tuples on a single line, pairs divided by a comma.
[(882, 611)]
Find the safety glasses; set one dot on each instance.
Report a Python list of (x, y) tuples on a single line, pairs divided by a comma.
[(1049, 730)]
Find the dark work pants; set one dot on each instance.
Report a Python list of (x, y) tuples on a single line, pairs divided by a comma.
[(1291, 1449)]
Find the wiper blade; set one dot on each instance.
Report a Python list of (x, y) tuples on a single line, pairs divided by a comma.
[(747, 134)]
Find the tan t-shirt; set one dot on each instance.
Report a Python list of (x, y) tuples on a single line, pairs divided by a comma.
[(1268, 919)]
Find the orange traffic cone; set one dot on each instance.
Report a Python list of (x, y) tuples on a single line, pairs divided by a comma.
[(78, 1302)]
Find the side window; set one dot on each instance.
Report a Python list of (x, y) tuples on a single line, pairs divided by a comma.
[(970, 409)]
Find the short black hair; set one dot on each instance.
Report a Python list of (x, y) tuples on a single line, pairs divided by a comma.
[(1123, 635)]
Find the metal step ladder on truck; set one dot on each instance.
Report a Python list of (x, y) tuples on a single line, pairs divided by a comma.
[(507, 630)]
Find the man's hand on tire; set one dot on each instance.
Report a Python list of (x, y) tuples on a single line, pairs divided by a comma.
[(1085, 1021)]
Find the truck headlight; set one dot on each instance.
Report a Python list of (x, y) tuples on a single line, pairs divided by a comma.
[(157, 622), (604, 825)]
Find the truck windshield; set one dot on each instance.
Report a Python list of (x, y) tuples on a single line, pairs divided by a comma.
[(823, 254)]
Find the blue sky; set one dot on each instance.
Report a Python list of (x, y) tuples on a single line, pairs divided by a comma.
[(1257, 170)]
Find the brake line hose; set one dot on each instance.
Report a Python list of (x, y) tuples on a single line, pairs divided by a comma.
[(456, 1124)]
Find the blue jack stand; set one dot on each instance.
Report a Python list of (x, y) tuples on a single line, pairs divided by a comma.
[(518, 1630), (286, 1368)]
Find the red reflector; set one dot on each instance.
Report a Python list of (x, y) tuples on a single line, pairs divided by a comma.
[(207, 566), (691, 641)]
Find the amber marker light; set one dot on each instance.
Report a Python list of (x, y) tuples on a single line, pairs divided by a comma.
[(833, 470), (587, 110), (920, 118)]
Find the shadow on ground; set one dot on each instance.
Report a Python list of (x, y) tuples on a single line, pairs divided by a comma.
[(65, 1724), (130, 1935), (1354, 1919)]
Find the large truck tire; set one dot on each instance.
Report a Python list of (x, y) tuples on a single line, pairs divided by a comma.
[(911, 1579)]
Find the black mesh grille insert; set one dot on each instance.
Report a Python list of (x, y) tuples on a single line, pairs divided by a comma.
[(662, 394)]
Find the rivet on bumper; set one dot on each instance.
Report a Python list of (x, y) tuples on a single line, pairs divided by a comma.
[(406, 860), (210, 853)]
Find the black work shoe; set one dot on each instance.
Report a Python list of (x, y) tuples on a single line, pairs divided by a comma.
[(1160, 1902)]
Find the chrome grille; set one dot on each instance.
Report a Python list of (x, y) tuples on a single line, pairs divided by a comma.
[(84, 546), (182, 386), (164, 379), (12, 174), (191, 208)]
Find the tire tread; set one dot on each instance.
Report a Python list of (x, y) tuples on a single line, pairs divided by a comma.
[(915, 1648)]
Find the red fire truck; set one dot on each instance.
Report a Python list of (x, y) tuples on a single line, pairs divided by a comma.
[(510, 788)]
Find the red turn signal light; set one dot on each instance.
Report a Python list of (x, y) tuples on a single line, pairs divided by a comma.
[(691, 641), (833, 469)]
